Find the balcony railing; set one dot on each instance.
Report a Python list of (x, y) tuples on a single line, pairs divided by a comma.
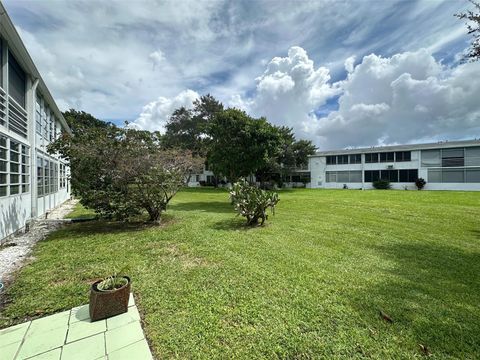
[(3, 107), (17, 118)]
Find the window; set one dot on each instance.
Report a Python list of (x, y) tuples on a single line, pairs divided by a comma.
[(453, 175), (331, 176), (25, 169), (431, 158), (16, 81), (371, 158), (472, 156), (63, 179), (390, 175), (453, 157), (3, 166), (44, 121), (342, 159), (52, 127), (473, 175), (435, 175), (356, 159), (331, 160), (46, 176), (386, 157), (40, 191), (38, 116), (372, 175), (343, 176), (408, 175), (403, 156), (14, 167)]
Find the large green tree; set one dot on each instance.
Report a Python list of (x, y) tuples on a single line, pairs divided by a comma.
[(473, 26), (239, 145), (187, 128)]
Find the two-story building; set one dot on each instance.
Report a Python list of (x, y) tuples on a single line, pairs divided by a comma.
[(32, 182), (451, 165)]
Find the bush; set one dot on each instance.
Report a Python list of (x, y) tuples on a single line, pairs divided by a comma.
[(252, 202), (420, 183), (382, 184)]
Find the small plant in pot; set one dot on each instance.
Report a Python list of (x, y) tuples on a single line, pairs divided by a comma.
[(109, 297)]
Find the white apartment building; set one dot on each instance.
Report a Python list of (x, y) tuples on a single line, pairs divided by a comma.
[(451, 165), (32, 182)]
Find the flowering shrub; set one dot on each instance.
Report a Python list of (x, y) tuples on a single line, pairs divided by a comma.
[(252, 202)]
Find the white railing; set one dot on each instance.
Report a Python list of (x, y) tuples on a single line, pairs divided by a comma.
[(3, 107), (17, 118)]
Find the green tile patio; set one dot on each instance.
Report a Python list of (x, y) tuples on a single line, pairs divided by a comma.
[(70, 335)]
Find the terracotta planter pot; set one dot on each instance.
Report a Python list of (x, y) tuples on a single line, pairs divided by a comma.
[(105, 304)]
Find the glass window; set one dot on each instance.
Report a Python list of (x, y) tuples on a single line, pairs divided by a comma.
[(40, 176), (453, 157), (342, 176), (472, 156), (356, 176), (16, 81), (331, 160), (403, 156), (372, 175), (473, 175), (453, 175), (356, 159), (371, 158), (431, 158), (342, 159), (38, 116), (330, 176), (434, 175), (386, 157)]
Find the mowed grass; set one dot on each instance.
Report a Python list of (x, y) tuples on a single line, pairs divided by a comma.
[(310, 284)]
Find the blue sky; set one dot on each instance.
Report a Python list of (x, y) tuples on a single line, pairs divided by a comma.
[(305, 64)]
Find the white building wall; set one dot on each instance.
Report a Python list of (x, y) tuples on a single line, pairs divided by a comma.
[(319, 167), (17, 209)]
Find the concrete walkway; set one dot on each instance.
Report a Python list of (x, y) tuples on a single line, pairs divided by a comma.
[(70, 335)]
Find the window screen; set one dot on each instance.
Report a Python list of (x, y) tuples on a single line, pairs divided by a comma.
[(453, 175), (473, 175), (431, 158), (472, 156), (16, 81)]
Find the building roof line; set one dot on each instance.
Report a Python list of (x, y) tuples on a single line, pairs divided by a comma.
[(422, 146)]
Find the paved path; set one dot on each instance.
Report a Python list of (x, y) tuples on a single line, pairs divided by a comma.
[(70, 335)]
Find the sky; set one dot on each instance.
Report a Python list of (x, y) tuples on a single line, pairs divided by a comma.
[(340, 73)]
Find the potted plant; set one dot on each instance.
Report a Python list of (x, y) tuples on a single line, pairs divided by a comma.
[(109, 297)]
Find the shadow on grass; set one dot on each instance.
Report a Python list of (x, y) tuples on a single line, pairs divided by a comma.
[(235, 223), (101, 226), (432, 293), (203, 206)]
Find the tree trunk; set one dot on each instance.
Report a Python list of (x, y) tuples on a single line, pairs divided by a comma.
[(154, 216)]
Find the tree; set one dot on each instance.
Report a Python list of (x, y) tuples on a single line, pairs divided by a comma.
[(187, 129), (292, 154), (122, 172), (252, 202), (239, 145), (473, 53), (79, 121)]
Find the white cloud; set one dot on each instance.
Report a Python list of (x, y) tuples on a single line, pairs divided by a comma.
[(290, 89), (155, 114), (157, 57), (350, 63), (408, 97)]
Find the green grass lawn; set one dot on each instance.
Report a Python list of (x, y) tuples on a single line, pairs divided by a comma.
[(310, 284)]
